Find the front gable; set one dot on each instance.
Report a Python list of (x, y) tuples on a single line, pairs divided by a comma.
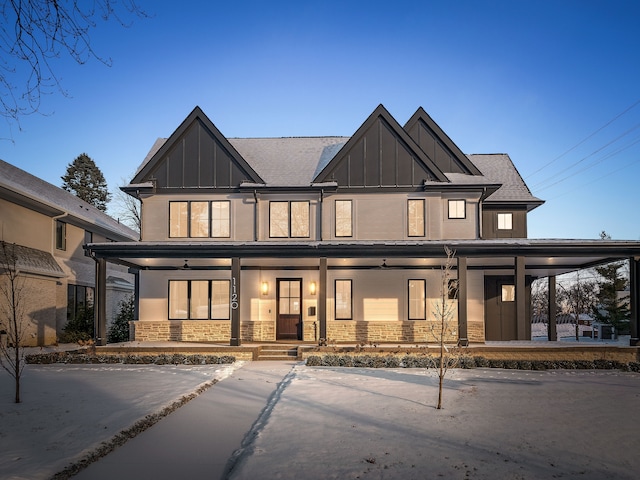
[(437, 145), (196, 155), (380, 154)]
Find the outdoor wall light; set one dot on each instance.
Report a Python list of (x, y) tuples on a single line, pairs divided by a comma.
[(264, 288), (312, 288)]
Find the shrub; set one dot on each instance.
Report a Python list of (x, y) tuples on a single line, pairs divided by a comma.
[(119, 328), (80, 327)]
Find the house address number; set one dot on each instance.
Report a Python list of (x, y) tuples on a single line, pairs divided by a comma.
[(234, 294)]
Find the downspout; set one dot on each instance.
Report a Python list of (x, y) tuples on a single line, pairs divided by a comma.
[(256, 223), (55, 219), (320, 205), (480, 204)]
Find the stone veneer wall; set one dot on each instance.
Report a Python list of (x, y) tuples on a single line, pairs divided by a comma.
[(347, 331), (182, 331)]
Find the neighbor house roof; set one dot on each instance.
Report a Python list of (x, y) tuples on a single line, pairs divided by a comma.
[(32, 192)]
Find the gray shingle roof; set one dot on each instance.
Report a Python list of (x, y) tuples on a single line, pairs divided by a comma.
[(53, 198), (31, 260), (499, 168)]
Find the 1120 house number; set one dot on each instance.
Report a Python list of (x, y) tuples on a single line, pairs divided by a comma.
[(234, 294)]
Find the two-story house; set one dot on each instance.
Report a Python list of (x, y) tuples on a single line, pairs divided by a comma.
[(49, 227), (342, 238)]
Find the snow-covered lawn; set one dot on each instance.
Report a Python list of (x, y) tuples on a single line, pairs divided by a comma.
[(68, 410), (348, 423), (327, 422)]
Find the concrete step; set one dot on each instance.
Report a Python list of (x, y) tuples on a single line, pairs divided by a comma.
[(277, 352)]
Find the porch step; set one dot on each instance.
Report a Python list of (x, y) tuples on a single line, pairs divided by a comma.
[(278, 352)]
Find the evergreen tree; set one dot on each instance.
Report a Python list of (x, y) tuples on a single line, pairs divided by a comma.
[(610, 309), (85, 180)]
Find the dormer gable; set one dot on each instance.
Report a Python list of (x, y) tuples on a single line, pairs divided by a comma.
[(437, 145), (196, 156), (380, 154)]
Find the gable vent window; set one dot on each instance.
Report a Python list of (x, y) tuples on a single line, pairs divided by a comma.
[(199, 219), (505, 221)]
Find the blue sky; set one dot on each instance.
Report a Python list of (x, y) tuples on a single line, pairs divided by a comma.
[(555, 84)]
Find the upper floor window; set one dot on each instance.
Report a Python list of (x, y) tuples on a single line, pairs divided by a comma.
[(457, 209), (415, 218), (199, 219), (289, 219), (505, 221), (344, 220), (61, 235)]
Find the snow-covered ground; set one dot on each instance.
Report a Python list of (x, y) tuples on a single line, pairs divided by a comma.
[(340, 423)]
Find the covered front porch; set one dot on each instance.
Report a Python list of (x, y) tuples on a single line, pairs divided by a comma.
[(320, 264)]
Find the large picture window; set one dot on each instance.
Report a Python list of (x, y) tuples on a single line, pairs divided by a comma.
[(199, 299), (199, 219), (80, 301), (344, 220), (457, 209), (417, 299), (343, 300), (289, 219), (415, 218)]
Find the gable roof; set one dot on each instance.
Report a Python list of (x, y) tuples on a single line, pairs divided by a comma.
[(24, 189), (437, 144), (196, 155), (359, 162)]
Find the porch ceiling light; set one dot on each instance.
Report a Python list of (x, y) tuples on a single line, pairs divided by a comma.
[(186, 265), (264, 288)]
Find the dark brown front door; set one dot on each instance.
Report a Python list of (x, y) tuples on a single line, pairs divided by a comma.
[(500, 308), (289, 320)]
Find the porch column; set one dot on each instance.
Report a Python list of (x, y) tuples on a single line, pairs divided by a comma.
[(100, 302), (521, 300), (552, 331), (235, 302), (322, 298), (634, 300), (463, 338)]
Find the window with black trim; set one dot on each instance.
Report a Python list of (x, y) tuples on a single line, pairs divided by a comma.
[(417, 299), (61, 235), (457, 209), (344, 218), (343, 300), (80, 301), (415, 217), (452, 289), (289, 219), (508, 293), (199, 219), (505, 221), (199, 300)]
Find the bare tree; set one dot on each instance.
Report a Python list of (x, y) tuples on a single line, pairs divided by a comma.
[(577, 298), (13, 322), (126, 208), (445, 327), (35, 33)]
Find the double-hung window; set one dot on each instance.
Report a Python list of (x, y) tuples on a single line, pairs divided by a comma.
[(344, 218), (415, 218), (199, 219), (199, 299), (289, 219)]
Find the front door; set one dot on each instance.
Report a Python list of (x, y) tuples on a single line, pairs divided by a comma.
[(289, 315), (500, 308)]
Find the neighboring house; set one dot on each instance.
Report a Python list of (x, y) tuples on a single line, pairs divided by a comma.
[(49, 227), (341, 238)]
